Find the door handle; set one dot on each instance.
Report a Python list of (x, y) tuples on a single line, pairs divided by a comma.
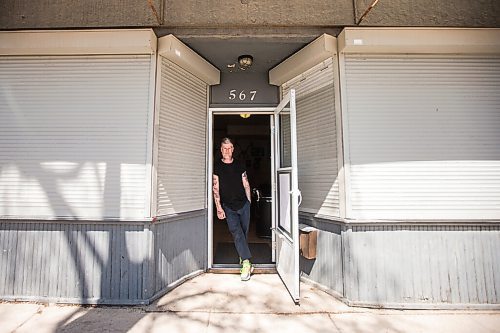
[(299, 194)]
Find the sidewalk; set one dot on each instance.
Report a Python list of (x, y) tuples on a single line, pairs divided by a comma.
[(222, 303)]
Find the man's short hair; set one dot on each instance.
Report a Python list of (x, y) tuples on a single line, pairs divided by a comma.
[(225, 141)]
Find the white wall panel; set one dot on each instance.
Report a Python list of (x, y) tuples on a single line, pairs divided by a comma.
[(317, 139), (423, 136), (181, 141), (73, 136)]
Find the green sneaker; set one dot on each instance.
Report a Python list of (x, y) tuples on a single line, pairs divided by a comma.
[(246, 270)]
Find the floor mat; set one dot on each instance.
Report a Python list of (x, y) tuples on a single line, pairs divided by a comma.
[(225, 253)]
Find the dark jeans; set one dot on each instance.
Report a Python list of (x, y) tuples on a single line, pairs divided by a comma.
[(238, 222)]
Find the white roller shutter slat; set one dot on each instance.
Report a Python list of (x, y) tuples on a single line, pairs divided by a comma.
[(73, 136), (423, 136), (317, 139), (181, 141)]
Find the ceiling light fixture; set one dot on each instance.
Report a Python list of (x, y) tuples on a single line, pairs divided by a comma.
[(245, 61)]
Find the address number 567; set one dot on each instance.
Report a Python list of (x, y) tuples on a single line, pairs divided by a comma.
[(234, 94)]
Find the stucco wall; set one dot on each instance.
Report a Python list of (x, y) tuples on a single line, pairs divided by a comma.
[(37, 14), (263, 12), (26, 14), (457, 13)]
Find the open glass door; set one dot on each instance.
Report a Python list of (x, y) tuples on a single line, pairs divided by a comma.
[(287, 195)]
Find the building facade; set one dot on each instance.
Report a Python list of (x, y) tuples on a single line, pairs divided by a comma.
[(109, 115)]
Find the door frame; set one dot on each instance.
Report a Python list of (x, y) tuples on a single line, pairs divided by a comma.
[(269, 111)]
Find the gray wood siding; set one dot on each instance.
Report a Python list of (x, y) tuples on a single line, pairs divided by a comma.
[(407, 266), (423, 264), (180, 248), (97, 263), (72, 262), (326, 269)]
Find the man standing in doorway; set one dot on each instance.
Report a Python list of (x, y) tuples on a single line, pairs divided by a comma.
[(232, 199)]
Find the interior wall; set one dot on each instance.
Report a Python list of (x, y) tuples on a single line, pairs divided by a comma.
[(251, 138)]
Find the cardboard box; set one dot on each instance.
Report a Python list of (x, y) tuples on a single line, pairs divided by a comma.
[(308, 242)]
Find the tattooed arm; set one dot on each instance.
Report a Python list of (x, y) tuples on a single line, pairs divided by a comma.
[(246, 185), (220, 212)]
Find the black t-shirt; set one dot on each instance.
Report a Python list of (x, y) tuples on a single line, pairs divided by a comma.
[(232, 192)]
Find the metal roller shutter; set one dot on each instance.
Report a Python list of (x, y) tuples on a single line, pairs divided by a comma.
[(423, 136), (181, 141), (317, 139), (73, 136)]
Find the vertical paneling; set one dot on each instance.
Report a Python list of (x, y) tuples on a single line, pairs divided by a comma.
[(492, 275), (18, 277), (115, 263), (180, 248), (4, 261), (422, 265), (405, 266), (317, 139), (422, 134), (73, 262), (348, 264), (73, 136), (124, 261), (327, 268), (181, 170), (53, 252)]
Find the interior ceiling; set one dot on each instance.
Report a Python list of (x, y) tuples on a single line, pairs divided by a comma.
[(222, 122), (266, 52)]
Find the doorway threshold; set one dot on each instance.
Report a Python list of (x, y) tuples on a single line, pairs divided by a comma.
[(235, 269)]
